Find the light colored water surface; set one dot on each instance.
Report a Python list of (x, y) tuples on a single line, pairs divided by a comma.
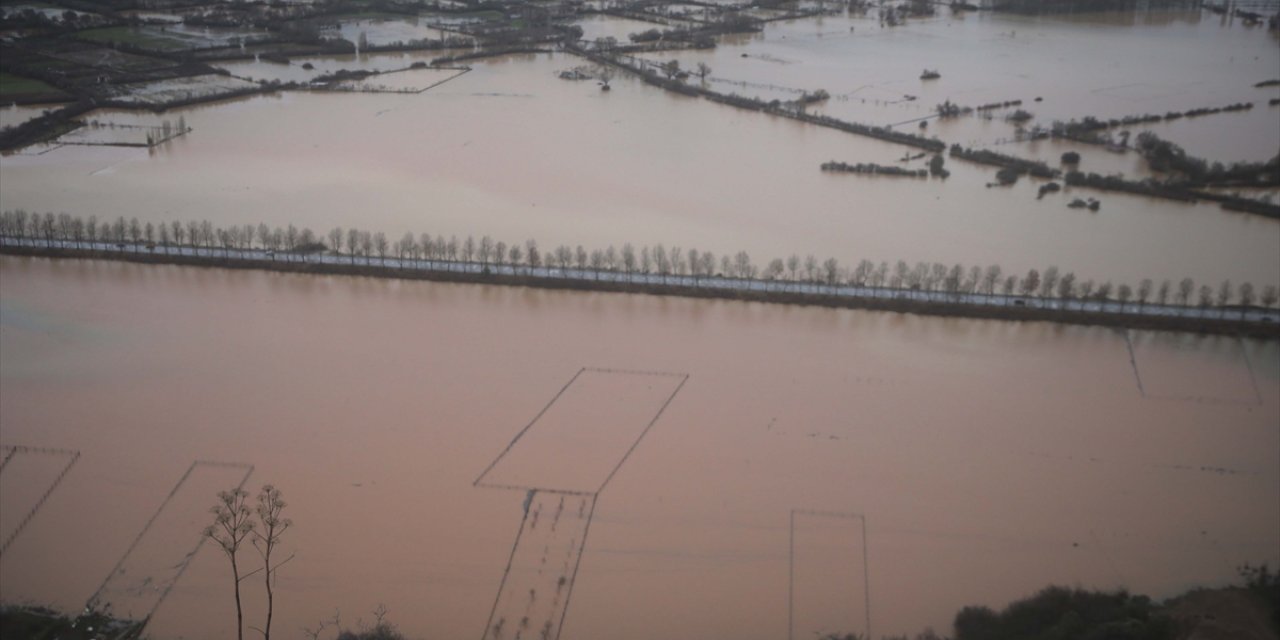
[(989, 458), (513, 152)]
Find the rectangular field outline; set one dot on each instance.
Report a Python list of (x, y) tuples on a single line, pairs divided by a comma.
[(93, 602), (14, 450), (479, 481), (791, 563), (582, 547), (1244, 353)]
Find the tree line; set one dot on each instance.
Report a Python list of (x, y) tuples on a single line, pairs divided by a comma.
[(362, 247)]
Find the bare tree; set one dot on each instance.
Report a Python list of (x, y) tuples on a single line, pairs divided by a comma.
[(901, 274), (990, 279), (628, 259), (516, 254), (774, 269), (366, 246), (862, 273), (972, 279), (1144, 291), (380, 243), (233, 523), (206, 233), (1104, 292), (677, 261), (1206, 296), (831, 272), (597, 262), (1066, 288), (1031, 283), (274, 525), (424, 241), (1162, 296), (1184, 291), (612, 258), (1048, 281), (353, 242), (919, 274), (1123, 293), (1246, 297), (534, 258), (1224, 296), (485, 249), (451, 249), (408, 247), (1269, 296), (290, 240)]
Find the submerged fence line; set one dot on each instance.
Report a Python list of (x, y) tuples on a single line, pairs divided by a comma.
[(955, 301), (72, 455)]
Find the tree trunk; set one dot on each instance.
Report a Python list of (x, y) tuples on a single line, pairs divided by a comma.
[(235, 573), (266, 634)]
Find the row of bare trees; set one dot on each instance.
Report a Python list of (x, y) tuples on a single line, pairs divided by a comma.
[(645, 262)]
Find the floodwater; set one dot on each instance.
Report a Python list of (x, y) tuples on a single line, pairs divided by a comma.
[(266, 70), (15, 114), (983, 460), (638, 165)]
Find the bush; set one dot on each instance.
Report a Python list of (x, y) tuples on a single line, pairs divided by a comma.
[(1059, 612), (1007, 175), (1070, 157), (1260, 581)]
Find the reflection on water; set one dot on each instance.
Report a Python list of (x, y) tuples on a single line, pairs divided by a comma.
[(989, 458)]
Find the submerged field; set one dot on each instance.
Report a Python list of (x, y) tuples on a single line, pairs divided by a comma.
[(640, 165), (988, 458)]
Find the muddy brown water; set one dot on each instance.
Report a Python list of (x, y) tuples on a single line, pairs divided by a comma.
[(988, 458)]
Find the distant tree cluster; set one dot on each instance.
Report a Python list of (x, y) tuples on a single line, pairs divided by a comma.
[(779, 274), (1167, 157), (875, 169), (1087, 125)]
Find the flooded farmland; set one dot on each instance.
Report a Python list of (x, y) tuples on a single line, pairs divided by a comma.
[(988, 458), (517, 462), (640, 165)]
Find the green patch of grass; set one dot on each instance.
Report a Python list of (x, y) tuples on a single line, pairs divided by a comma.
[(141, 38), (11, 85), (368, 15)]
